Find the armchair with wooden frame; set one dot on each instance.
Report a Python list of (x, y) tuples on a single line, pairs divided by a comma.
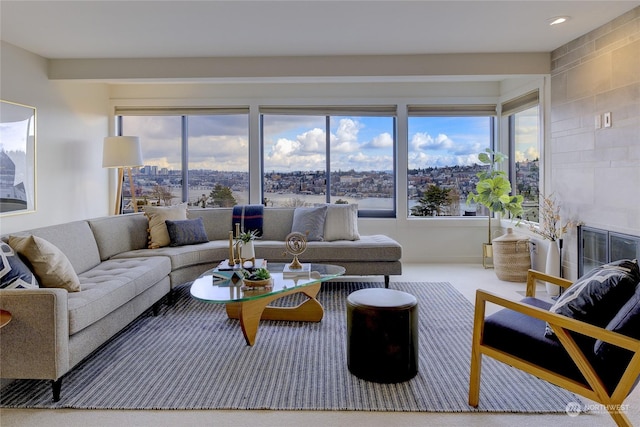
[(515, 335)]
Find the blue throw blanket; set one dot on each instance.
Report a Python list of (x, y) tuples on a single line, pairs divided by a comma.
[(249, 217)]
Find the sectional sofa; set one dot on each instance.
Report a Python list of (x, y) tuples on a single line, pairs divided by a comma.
[(119, 277)]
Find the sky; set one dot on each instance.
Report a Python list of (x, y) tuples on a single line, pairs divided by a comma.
[(294, 143)]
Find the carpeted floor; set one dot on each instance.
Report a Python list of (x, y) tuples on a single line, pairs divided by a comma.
[(191, 356)]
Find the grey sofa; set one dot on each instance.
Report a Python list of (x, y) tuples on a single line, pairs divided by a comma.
[(52, 330)]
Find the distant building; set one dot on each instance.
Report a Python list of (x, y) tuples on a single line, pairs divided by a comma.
[(13, 197)]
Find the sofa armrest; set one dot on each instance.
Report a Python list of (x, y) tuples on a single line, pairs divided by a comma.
[(35, 343)]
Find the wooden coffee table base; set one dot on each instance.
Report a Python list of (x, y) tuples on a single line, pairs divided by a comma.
[(252, 311)]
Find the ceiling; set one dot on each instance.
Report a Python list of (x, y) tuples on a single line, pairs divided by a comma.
[(181, 28)]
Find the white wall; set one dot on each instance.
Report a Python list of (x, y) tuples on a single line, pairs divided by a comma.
[(72, 120)]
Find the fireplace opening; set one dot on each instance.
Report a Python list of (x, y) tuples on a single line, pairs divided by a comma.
[(597, 247)]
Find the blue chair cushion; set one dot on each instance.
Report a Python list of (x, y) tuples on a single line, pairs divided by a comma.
[(523, 336)]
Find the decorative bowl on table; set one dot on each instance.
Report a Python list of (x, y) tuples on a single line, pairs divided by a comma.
[(261, 283), (258, 278)]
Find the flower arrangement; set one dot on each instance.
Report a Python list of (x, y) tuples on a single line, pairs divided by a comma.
[(550, 227)]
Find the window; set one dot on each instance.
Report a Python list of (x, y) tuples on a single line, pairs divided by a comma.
[(323, 155), (444, 142), (523, 115), (209, 150)]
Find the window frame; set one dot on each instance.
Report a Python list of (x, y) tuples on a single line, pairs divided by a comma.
[(183, 113), (329, 112), (488, 110)]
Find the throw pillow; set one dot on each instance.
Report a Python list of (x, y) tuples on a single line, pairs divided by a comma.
[(186, 232), (598, 295), (341, 222), (625, 322), (52, 268), (158, 234), (310, 221), (13, 272)]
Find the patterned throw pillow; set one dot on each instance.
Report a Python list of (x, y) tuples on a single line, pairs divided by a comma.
[(186, 232), (598, 295), (158, 234), (14, 273), (310, 221), (50, 265)]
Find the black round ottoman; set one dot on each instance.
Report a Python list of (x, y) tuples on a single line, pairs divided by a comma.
[(382, 335)]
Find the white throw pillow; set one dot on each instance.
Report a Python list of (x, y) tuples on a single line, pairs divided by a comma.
[(341, 222), (52, 268), (158, 233)]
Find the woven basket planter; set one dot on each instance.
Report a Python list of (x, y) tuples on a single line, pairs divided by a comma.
[(511, 257)]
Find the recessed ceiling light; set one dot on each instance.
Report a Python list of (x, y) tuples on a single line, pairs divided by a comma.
[(558, 20)]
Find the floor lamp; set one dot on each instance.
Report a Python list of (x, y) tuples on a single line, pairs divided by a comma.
[(122, 152)]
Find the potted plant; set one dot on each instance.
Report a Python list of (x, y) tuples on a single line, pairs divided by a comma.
[(259, 277), (493, 190), (246, 250)]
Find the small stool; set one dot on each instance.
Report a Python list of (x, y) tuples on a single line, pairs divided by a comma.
[(382, 335)]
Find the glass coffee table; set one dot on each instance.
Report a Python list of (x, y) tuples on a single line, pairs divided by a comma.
[(252, 305)]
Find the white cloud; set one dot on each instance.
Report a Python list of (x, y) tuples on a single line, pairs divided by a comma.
[(384, 140)]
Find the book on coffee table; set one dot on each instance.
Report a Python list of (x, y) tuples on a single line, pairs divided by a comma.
[(296, 273)]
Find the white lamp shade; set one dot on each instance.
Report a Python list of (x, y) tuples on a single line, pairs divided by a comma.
[(121, 151)]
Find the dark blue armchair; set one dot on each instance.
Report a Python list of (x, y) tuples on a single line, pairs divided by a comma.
[(592, 351)]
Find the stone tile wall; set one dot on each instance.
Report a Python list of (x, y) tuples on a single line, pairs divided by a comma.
[(595, 173)]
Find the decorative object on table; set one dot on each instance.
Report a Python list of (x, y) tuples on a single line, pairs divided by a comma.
[(511, 257), (258, 278), (550, 227), (122, 152), (493, 190), (304, 272), (246, 249), (18, 158), (295, 244), (227, 277), (226, 266)]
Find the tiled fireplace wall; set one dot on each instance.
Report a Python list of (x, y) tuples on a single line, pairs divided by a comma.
[(595, 173)]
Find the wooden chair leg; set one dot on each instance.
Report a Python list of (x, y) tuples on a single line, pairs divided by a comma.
[(474, 378), (620, 418)]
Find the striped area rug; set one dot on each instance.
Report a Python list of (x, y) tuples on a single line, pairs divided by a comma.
[(191, 356)]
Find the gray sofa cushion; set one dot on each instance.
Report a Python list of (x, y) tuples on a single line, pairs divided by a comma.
[(120, 233), (184, 256), (217, 221), (379, 248), (75, 240), (112, 284)]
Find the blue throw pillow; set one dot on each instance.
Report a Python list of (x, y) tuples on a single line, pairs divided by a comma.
[(598, 295), (186, 232), (626, 322), (14, 273)]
